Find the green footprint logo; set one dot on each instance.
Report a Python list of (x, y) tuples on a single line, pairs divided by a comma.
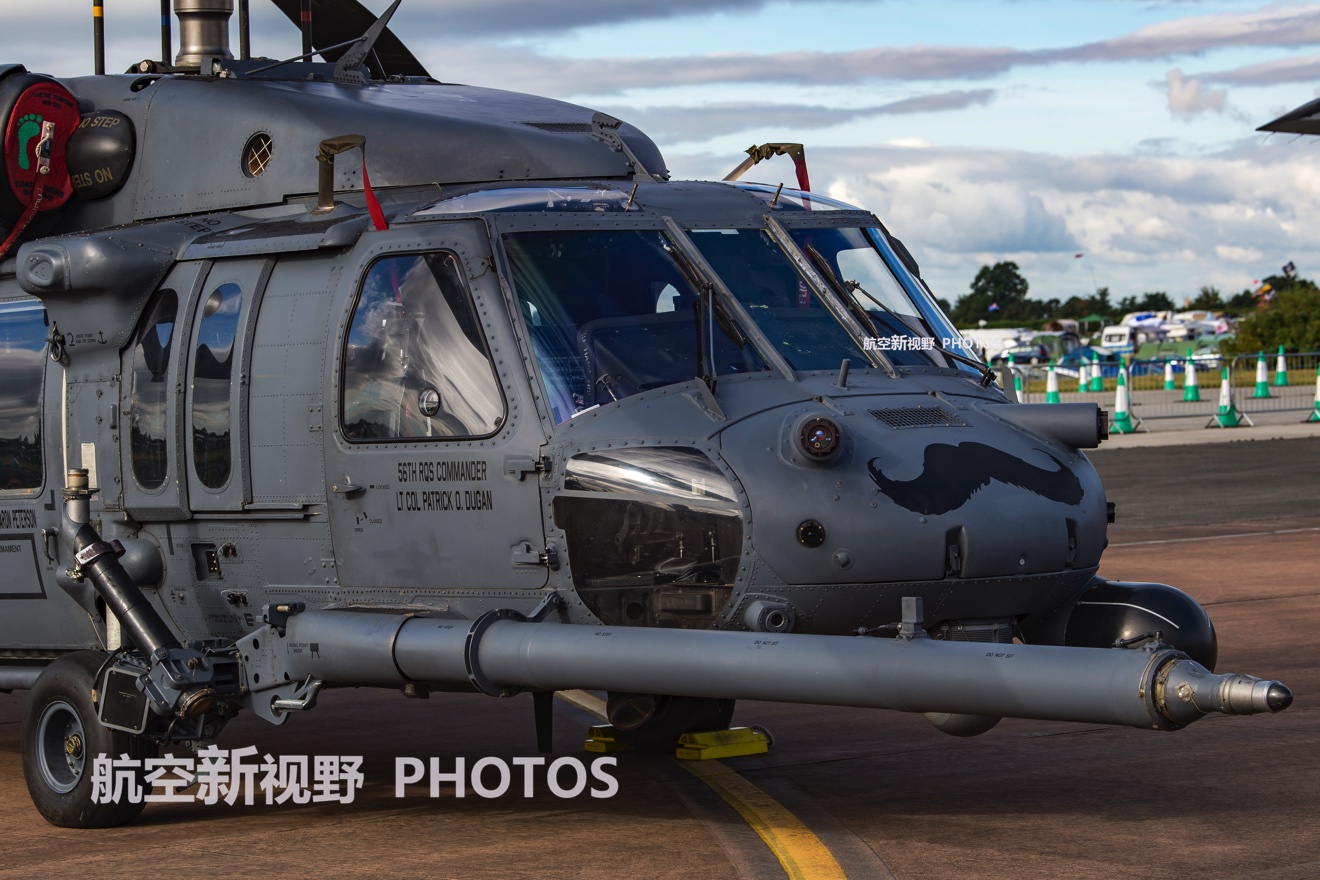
[(29, 126)]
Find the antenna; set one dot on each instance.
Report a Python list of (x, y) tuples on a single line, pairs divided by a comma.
[(347, 68), (244, 31), (305, 10), (166, 38), (98, 37)]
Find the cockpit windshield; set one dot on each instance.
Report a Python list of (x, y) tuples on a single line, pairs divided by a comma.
[(906, 326), (768, 285), (611, 313)]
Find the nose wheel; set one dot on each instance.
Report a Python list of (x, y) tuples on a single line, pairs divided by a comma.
[(62, 737), (61, 749)]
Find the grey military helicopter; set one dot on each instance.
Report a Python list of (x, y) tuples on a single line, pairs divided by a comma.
[(325, 373)]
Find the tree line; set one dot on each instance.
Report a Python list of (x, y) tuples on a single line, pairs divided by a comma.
[(1284, 310)]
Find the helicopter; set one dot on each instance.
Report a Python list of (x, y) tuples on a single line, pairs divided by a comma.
[(326, 373)]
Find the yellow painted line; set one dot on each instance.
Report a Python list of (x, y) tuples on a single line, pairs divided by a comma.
[(800, 852)]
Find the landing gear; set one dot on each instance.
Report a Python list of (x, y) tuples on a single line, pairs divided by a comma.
[(62, 737), (654, 722)]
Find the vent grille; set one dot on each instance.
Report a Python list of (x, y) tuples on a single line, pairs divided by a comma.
[(988, 631), (918, 417), (562, 127)]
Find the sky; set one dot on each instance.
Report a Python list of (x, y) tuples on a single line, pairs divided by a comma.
[(977, 130)]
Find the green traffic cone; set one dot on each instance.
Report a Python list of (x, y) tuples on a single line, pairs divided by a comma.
[(1281, 370), (1191, 391), (1097, 378), (1315, 413), (1122, 418), (1228, 416), (1051, 386), (1168, 375), (1262, 376)]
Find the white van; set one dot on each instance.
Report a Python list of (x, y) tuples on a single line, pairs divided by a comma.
[(1117, 338)]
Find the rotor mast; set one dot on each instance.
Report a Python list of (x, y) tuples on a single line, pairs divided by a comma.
[(203, 31)]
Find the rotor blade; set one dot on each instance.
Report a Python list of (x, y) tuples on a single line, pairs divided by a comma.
[(344, 21), (1304, 120)]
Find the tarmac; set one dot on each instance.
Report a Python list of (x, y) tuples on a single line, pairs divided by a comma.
[(1286, 425), (1231, 516)]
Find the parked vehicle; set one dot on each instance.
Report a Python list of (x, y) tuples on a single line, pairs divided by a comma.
[(1110, 362), (1022, 354)]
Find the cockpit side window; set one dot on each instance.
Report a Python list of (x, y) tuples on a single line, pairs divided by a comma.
[(416, 364), (151, 390), (22, 364)]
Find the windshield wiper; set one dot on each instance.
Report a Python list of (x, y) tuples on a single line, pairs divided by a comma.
[(842, 288), (729, 314), (854, 308), (838, 286), (705, 300), (987, 372)]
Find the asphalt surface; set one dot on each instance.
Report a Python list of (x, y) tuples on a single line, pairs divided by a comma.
[(1154, 487), (1236, 525)]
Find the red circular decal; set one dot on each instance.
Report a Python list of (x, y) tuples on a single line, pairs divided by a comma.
[(39, 104)]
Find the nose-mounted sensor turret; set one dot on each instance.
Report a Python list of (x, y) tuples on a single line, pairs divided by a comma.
[(811, 438), (819, 437)]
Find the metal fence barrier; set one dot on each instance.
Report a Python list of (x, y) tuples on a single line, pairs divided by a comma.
[(1158, 388), (1295, 391)]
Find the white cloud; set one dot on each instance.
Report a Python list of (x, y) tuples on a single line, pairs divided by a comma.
[(678, 124), (1144, 222), (1233, 254), (1295, 24), (1188, 97), (1305, 69)]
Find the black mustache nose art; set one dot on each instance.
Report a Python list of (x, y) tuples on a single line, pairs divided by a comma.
[(952, 474)]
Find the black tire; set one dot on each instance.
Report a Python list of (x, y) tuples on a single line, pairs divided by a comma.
[(62, 737), (653, 723)]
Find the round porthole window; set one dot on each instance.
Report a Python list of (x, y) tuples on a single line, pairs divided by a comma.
[(256, 154)]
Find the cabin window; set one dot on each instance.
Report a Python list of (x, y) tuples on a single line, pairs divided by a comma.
[(22, 364), (150, 392), (610, 314), (416, 364), (212, 414)]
